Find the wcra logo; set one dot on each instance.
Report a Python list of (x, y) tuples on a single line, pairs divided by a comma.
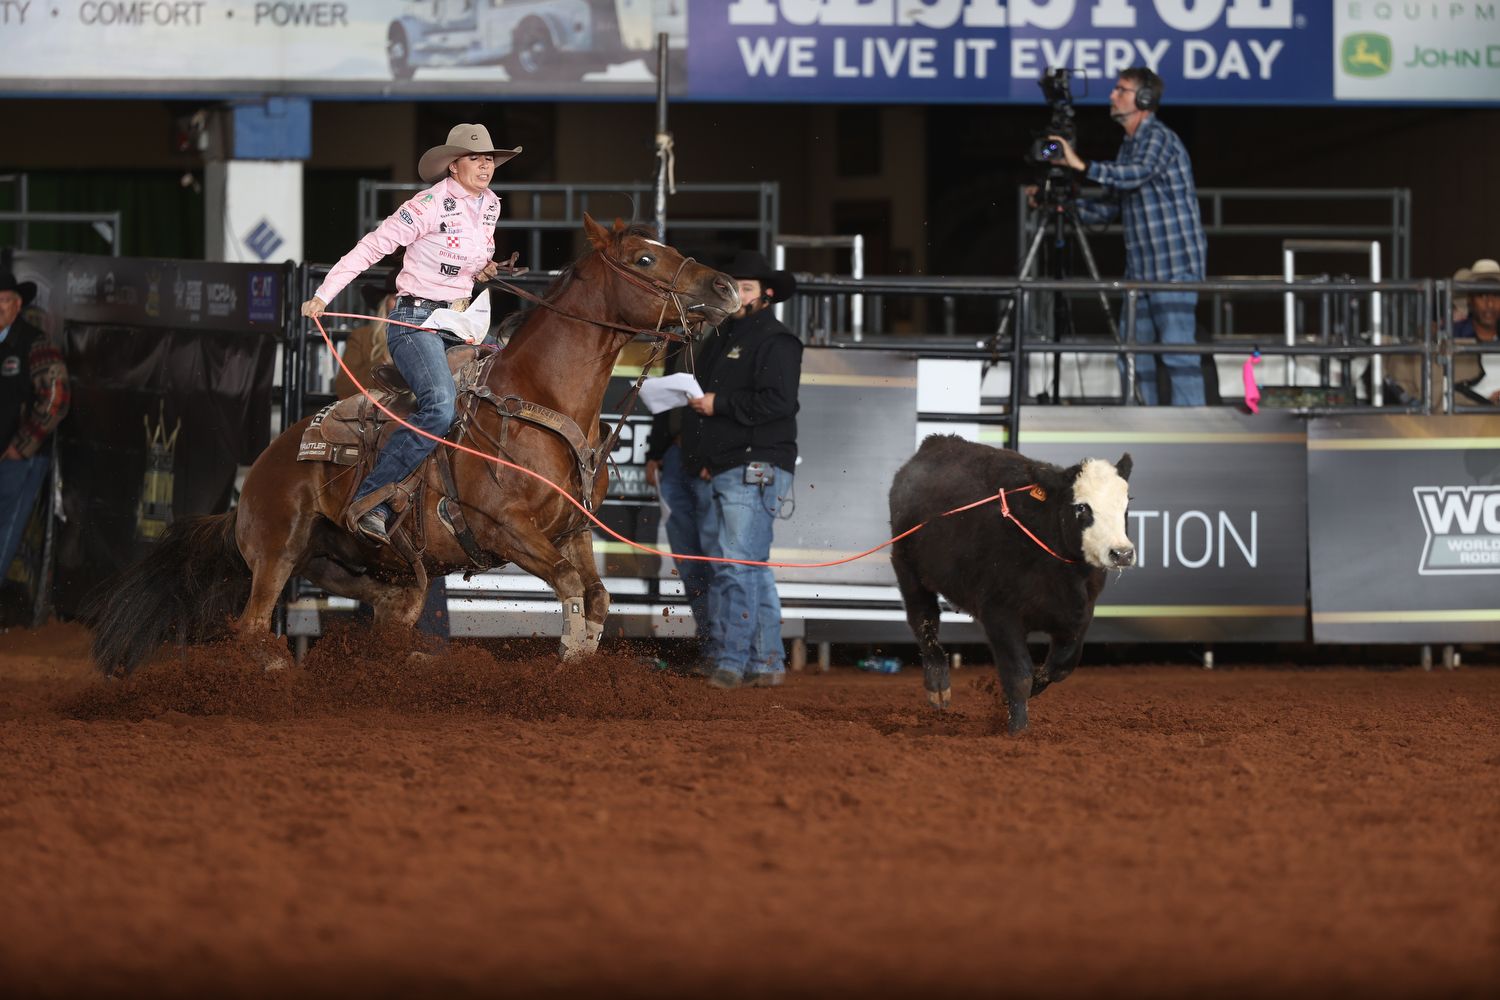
[(1463, 528)]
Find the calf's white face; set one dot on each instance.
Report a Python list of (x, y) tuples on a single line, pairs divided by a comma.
[(1100, 498)]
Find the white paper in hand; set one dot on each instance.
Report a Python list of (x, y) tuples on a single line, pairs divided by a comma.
[(471, 324), (669, 391)]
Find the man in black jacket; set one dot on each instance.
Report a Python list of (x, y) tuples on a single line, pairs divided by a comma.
[(741, 438), (33, 399)]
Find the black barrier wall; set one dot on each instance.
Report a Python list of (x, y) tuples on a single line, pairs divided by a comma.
[(171, 365), (1404, 517)]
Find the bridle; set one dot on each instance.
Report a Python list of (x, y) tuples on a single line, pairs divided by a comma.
[(667, 291)]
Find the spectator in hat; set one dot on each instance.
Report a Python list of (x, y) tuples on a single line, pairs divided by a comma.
[(740, 440), (33, 400), (449, 233), (1480, 326), (366, 349)]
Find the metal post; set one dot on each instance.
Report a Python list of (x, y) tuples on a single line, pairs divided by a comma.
[(857, 302), (665, 181), (1288, 271), (1376, 323)]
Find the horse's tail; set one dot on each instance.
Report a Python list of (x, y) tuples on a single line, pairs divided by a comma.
[(188, 586)]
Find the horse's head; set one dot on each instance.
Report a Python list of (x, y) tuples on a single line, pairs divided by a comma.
[(654, 285)]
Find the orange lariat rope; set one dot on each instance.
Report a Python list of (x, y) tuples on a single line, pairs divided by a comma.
[(1000, 496)]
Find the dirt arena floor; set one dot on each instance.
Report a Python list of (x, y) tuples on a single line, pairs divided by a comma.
[(494, 824)]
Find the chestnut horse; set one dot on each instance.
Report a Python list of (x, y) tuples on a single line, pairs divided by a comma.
[(289, 520)]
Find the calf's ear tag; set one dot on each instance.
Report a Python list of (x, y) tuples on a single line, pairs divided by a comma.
[(1038, 493)]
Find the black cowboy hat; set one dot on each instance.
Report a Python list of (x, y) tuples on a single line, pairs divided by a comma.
[(752, 265), (25, 289)]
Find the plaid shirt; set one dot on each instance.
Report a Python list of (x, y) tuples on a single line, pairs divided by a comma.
[(1151, 182)]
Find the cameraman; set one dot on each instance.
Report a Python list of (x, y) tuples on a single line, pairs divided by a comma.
[(1150, 186)]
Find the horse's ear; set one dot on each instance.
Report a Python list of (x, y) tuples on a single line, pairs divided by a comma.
[(597, 234)]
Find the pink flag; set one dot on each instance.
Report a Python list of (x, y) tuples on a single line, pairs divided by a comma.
[(1252, 391)]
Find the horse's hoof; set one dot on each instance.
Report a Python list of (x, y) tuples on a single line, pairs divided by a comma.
[(940, 700)]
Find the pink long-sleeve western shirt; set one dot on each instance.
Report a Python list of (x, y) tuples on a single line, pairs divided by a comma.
[(448, 233)]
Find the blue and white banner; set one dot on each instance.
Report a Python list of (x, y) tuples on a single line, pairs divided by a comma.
[(1279, 52), (993, 51)]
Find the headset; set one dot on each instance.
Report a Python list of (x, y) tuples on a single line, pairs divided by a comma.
[(1148, 94)]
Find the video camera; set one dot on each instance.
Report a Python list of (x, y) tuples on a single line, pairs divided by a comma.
[(1057, 88)]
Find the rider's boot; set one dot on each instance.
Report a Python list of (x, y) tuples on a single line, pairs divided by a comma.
[(372, 525)]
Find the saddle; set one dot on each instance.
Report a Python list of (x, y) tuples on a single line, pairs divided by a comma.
[(339, 429)]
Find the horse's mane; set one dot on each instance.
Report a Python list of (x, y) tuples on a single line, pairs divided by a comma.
[(513, 321)]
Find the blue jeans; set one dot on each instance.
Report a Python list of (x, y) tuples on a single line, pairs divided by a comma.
[(422, 358), (744, 609), (1167, 317), (20, 481), (677, 487)]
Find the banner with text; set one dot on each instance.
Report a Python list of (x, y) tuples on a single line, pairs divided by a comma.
[(888, 51), (1404, 521), (380, 48), (1218, 513), (989, 51)]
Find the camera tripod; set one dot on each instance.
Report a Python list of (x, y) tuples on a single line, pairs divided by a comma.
[(1056, 214)]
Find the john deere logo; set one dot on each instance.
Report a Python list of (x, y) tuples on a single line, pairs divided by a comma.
[(1367, 54)]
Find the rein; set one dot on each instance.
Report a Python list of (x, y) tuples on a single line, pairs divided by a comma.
[(669, 294), (667, 291)]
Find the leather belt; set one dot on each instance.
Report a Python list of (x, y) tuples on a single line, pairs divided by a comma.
[(414, 302)]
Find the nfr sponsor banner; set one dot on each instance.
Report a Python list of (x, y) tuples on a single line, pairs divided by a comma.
[(1404, 519), (169, 293), (1388, 51), (1217, 513), (1212, 51)]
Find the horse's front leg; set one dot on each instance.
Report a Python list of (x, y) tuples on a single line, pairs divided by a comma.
[(523, 544), (578, 549)]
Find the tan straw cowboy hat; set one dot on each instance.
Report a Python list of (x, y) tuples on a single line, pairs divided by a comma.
[(462, 140), (1483, 269)]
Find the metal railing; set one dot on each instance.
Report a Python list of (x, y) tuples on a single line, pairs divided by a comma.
[(1409, 306), (856, 245), (1215, 205), (106, 224)]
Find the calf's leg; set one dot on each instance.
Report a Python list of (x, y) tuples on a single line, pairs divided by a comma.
[(1062, 657), (922, 615), (1012, 662)]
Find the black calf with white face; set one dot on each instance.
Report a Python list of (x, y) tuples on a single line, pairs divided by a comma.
[(988, 566)]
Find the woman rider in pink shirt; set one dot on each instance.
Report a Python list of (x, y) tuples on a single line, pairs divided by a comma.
[(449, 233)]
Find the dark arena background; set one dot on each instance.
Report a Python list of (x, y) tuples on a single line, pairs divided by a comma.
[(1275, 773)]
